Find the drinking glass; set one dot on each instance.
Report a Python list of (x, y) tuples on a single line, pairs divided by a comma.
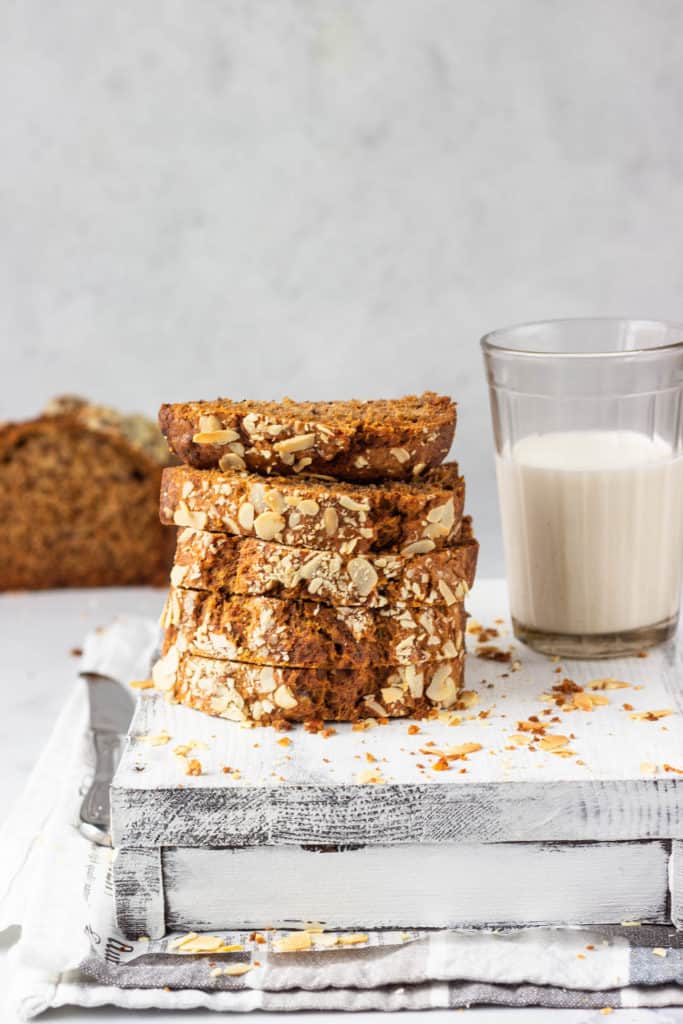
[(587, 420)]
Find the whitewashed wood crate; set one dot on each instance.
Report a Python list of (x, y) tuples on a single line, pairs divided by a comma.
[(521, 836)]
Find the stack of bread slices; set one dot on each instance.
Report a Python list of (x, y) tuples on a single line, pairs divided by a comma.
[(323, 560)]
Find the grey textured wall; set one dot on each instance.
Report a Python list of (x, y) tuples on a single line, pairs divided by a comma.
[(327, 197)]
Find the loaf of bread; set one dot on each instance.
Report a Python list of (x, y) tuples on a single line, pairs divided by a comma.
[(245, 565), (274, 695), (362, 441), (407, 518), (79, 490), (267, 631)]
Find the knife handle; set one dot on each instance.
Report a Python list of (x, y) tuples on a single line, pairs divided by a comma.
[(96, 808)]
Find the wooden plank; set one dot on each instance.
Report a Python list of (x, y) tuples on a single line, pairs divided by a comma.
[(139, 892), (419, 887), (616, 785)]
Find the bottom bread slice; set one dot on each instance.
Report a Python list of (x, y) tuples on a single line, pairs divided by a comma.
[(273, 695)]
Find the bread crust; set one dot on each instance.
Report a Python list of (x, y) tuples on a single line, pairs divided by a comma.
[(276, 696), (407, 518), (307, 634), (246, 565), (392, 439)]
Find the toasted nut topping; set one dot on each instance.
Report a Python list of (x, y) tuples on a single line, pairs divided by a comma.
[(268, 524), (331, 521), (184, 517), (392, 694), (215, 436), (419, 468), (275, 501), (400, 454), (351, 505), (178, 574), (442, 689), (550, 742), (308, 507), (363, 575), (446, 592), (284, 698), (208, 423), (164, 671), (245, 515), (295, 444), (292, 943), (418, 547), (444, 514), (415, 681), (250, 422), (266, 680), (231, 461), (357, 938), (435, 530), (309, 567)]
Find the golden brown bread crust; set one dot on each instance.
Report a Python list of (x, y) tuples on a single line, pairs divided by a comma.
[(393, 439), (275, 696), (246, 565), (78, 505), (408, 518), (266, 631)]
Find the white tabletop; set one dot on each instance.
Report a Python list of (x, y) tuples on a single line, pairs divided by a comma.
[(39, 632)]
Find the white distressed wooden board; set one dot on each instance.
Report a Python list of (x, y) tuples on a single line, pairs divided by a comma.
[(310, 792), (452, 885)]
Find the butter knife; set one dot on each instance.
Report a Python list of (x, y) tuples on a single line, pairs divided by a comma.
[(111, 711)]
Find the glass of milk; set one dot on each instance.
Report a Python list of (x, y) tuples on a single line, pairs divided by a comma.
[(588, 426)]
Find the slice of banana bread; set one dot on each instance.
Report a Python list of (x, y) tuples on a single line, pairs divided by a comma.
[(408, 518), (275, 695), (79, 492), (394, 439), (245, 565), (267, 631)]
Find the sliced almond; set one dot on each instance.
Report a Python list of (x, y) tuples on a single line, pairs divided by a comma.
[(400, 454), (330, 521), (284, 698), (215, 436), (184, 517), (308, 507), (363, 575), (293, 943), (442, 689), (178, 574), (299, 443), (353, 506), (245, 515), (209, 423), (268, 524), (446, 592), (418, 547), (231, 461)]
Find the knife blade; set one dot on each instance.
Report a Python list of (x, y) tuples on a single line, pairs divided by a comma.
[(111, 711)]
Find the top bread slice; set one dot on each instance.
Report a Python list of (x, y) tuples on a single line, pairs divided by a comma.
[(410, 518), (392, 439), (78, 500)]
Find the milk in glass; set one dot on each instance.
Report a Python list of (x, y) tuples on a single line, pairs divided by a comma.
[(593, 530)]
